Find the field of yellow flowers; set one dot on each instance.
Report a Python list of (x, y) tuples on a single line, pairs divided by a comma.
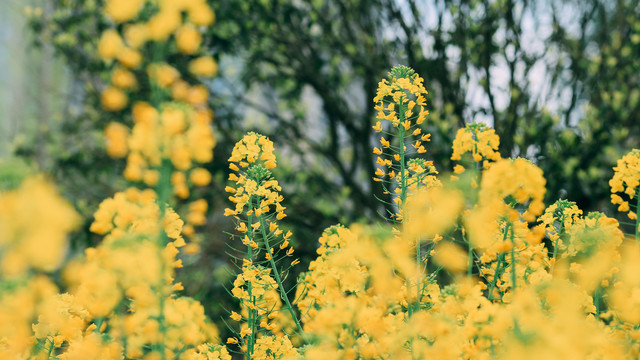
[(468, 265)]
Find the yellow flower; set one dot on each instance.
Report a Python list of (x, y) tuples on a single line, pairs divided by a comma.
[(451, 256), (198, 95), (123, 10), (110, 45), (135, 35), (163, 24), (431, 211), (203, 66), (113, 99), (173, 121), (458, 169), (130, 58), (188, 39), (34, 222), (116, 136), (235, 316), (200, 177), (164, 74), (123, 79), (201, 15)]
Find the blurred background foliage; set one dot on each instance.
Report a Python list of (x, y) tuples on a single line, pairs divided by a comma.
[(558, 79)]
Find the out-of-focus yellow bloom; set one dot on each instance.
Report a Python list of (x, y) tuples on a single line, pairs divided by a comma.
[(113, 99), (123, 10), (34, 223), (517, 181), (201, 14), (116, 136), (198, 95), (200, 177), (188, 39), (164, 74), (451, 256), (110, 45), (203, 66), (431, 211), (130, 58), (123, 79), (135, 35), (163, 24)]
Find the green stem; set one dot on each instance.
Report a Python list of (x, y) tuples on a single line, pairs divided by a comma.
[(500, 260), (251, 317), (513, 260), (596, 300), (99, 324), (470, 267), (403, 200), (163, 191), (403, 177), (495, 277), (555, 245), (276, 273), (51, 347)]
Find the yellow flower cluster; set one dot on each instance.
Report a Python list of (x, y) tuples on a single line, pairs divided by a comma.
[(257, 291), (178, 134), (20, 303), (130, 269), (626, 179), (405, 98), (32, 234), (275, 348), (251, 149), (557, 218), (256, 195), (207, 352), (420, 174), (351, 296), (351, 311), (326, 282), (135, 211), (512, 182), (180, 22), (263, 327), (251, 158), (479, 140), (592, 249), (432, 211)]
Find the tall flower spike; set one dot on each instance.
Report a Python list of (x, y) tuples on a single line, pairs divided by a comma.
[(257, 209), (401, 101)]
